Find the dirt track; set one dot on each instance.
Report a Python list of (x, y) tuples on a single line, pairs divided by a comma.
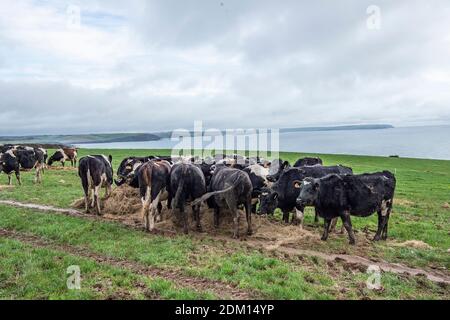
[(258, 241)]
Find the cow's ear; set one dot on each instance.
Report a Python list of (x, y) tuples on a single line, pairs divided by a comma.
[(297, 184), (286, 164), (316, 185), (110, 159)]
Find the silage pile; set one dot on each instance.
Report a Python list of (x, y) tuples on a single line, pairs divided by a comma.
[(124, 200), (125, 205)]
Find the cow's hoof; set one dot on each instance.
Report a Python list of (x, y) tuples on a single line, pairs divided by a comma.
[(352, 242), (323, 238), (249, 232), (235, 236), (199, 229), (376, 238)]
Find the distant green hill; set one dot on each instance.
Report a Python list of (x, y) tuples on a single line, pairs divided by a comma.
[(133, 137)]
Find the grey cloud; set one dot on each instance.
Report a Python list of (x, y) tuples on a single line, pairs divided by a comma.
[(236, 64)]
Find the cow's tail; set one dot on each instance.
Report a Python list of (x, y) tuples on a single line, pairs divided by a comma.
[(176, 199), (208, 195)]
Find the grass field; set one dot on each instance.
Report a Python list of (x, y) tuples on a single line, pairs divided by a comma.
[(120, 262)]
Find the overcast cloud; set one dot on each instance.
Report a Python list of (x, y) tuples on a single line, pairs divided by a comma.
[(142, 66)]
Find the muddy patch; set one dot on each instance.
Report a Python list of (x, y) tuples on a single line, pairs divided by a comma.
[(6, 187)]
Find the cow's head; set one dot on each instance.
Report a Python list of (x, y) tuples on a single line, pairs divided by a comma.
[(276, 168), (127, 170), (268, 201), (309, 191)]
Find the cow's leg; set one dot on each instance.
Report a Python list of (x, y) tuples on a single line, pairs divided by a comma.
[(236, 219), (185, 219), (216, 216), (386, 222), (9, 179), (63, 163), (153, 210), (326, 229), (196, 210), (380, 226), (316, 216), (248, 214), (145, 193), (254, 207), (18, 177), (333, 224), (299, 216), (286, 216), (97, 199), (159, 215), (345, 216), (233, 206)]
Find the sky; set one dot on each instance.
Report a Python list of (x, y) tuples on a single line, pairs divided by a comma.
[(90, 66)]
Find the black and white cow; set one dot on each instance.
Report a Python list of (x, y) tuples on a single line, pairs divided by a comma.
[(345, 195), (9, 164), (258, 176), (229, 189), (64, 154), (31, 158), (187, 183), (95, 171), (283, 195), (308, 161), (276, 168), (154, 179), (127, 170)]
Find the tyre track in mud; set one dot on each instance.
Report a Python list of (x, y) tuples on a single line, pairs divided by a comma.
[(350, 260), (219, 289)]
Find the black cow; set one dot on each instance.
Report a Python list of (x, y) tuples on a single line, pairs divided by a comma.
[(307, 162), (187, 183), (64, 154), (344, 195), (9, 164), (95, 172), (283, 195), (229, 189), (154, 179)]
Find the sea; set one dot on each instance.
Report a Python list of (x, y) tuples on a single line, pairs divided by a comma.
[(427, 142)]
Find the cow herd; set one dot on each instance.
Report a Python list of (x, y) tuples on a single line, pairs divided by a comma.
[(13, 158), (228, 183)]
